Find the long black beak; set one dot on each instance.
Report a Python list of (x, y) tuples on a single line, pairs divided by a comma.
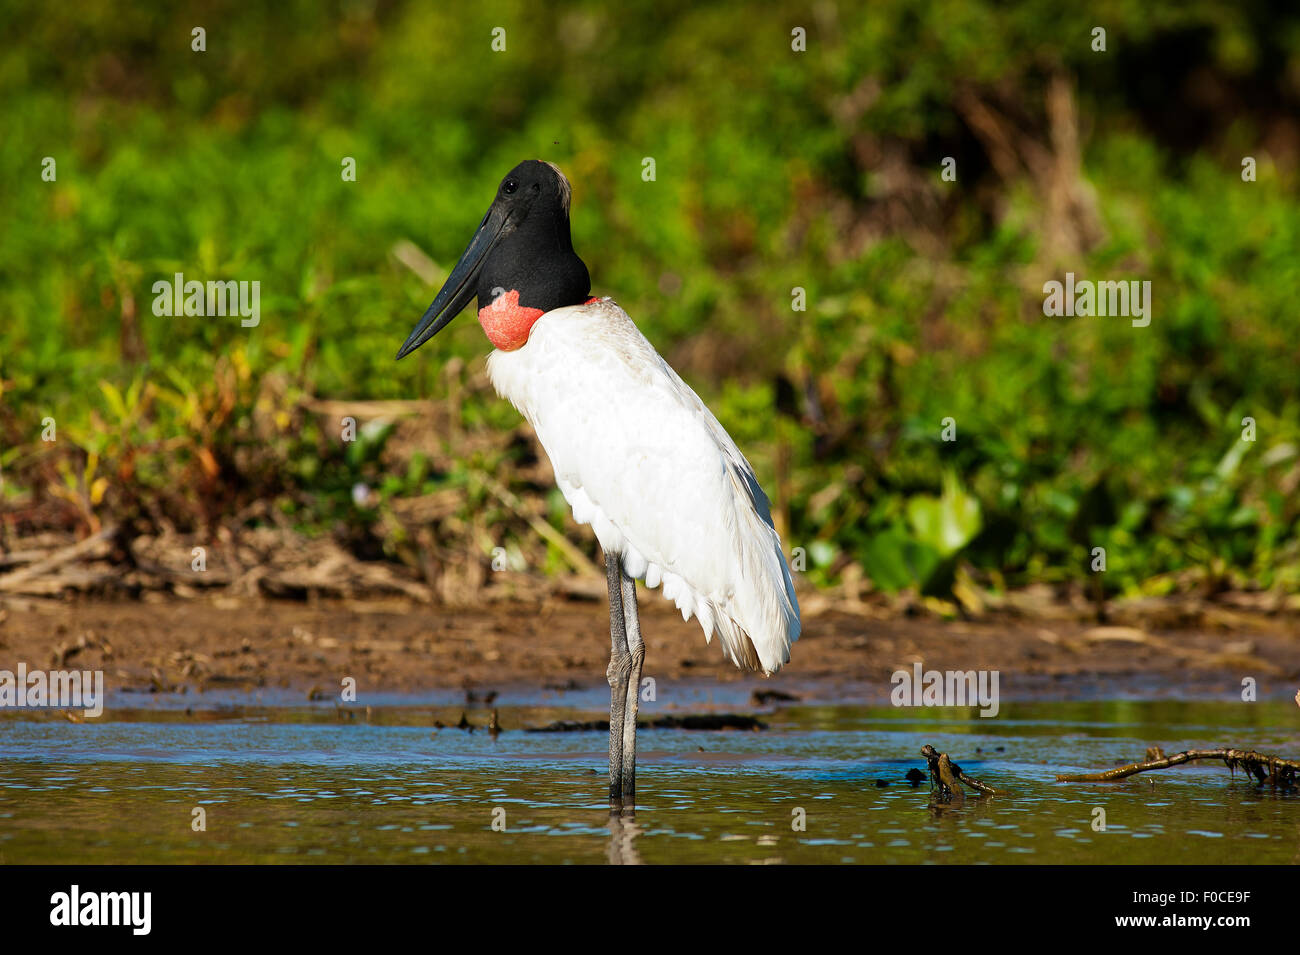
[(460, 286)]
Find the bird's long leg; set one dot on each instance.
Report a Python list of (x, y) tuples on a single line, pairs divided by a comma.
[(636, 650), (619, 671)]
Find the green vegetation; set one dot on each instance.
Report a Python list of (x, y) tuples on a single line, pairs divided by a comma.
[(774, 169)]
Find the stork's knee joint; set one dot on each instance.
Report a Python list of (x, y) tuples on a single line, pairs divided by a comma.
[(619, 670)]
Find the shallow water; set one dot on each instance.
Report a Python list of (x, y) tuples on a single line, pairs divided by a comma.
[(320, 784)]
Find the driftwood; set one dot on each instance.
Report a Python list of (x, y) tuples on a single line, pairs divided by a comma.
[(945, 775), (1274, 770), (272, 562), (18, 580)]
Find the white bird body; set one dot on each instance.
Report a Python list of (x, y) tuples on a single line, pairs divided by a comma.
[(640, 458)]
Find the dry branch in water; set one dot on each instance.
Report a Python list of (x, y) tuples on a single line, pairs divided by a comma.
[(945, 774), (1271, 769)]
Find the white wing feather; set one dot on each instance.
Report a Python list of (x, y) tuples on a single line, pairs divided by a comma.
[(639, 457)]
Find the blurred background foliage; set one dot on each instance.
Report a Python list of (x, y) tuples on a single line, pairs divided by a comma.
[(775, 169)]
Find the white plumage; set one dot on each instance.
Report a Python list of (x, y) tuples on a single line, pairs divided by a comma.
[(641, 459)]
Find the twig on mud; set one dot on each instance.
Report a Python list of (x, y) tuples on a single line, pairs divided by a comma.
[(1279, 772), (945, 774), (368, 409)]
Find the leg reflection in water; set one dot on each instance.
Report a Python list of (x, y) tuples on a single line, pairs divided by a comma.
[(623, 832)]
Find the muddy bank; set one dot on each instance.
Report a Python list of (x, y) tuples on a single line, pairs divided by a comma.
[(196, 646)]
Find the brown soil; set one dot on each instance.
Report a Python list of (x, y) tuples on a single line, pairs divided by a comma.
[(399, 645)]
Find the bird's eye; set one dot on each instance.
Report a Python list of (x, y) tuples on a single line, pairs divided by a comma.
[(510, 187)]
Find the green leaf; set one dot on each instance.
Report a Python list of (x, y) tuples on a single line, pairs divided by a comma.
[(894, 560), (946, 523)]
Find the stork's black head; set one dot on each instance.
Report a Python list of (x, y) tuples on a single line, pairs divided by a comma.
[(522, 246)]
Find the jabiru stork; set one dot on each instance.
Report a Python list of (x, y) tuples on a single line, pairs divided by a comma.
[(636, 453)]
